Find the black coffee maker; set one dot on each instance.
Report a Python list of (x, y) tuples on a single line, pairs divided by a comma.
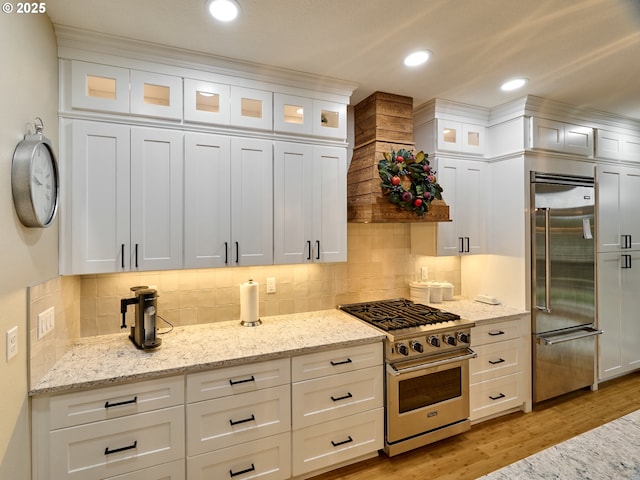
[(143, 333)]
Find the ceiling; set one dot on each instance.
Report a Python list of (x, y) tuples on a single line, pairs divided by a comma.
[(582, 52)]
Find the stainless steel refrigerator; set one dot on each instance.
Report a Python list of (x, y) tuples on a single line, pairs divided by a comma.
[(563, 284)]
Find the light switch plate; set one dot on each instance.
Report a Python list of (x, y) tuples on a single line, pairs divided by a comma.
[(46, 322)]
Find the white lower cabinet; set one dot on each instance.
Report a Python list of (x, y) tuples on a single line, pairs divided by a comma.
[(290, 417), (498, 376), (239, 422), (124, 432), (337, 417)]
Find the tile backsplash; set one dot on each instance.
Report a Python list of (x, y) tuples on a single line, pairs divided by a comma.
[(379, 266)]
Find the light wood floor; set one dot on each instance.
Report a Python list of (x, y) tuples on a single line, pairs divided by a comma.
[(491, 445)]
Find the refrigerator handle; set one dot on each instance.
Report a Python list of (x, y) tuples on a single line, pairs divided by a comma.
[(547, 263)]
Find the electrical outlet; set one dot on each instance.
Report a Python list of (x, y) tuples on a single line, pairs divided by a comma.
[(12, 343), (271, 285), (424, 273), (46, 322)]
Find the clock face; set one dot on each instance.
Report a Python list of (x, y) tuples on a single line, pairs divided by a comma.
[(44, 187)]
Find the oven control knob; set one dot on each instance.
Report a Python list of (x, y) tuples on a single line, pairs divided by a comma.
[(402, 349), (450, 340), (463, 337), (433, 341), (417, 347)]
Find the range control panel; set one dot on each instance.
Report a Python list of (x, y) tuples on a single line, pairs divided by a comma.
[(427, 344)]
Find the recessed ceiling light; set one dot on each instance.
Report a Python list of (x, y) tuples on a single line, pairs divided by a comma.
[(514, 84), (223, 10), (417, 58)]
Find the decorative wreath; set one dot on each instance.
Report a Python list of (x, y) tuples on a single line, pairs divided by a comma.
[(409, 181)]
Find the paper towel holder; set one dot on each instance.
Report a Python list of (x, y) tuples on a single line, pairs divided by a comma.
[(248, 323)]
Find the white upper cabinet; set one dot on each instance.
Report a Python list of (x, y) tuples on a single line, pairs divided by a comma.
[(460, 137), (251, 108), (207, 102), (103, 88), (156, 95), (207, 193), (561, 137), (309, 203), (292, 114), (156, 198), (618, 200), (124, 191), (329, 119), (251, 202), (95, 208), (617, 146)]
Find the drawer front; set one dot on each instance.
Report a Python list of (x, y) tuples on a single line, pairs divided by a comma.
[(495, 360), (112, 402), (166, 471), (494, 332), (337, 441), (227, 421), (267, 459), (328, 398), (239, 379), (112, 447), (497, 395), (325, 363)]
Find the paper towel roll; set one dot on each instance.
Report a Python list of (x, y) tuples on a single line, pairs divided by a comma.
[(249, 315)]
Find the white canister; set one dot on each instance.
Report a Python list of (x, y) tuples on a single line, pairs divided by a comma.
[(419, 292), (435, 292), (447, 291)]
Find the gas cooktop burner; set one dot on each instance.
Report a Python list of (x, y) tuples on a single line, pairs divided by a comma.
[(396, 314)]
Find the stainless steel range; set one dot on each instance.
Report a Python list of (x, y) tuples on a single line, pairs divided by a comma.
[(427, 371)]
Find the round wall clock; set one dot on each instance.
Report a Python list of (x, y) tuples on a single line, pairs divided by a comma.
[(34, 180)]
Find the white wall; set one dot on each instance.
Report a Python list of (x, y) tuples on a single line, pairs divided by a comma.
[(28, 89)]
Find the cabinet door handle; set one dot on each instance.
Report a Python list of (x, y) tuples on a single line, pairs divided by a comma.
[(343, 362), (235, 474), (626, 241), (461, 247), (246, 380), (495, 334), (497, 397), (348, 440), (344, 397), (318, 250), (118, 404), (626, 261), (122, 256), (467, 249), (244, 420), (309, 251), (495, 362), (237, 252), (226, 253), (122, 449), (136, 255)]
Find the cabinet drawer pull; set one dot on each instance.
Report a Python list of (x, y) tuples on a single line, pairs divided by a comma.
[(122, 256), (498, 397), (117, 404), (244, 420), (247, 470), (226, 253), (348, 440), (495, 362), (343, 362), (238, 382), (318, 250), (495, 334), (122, 449), (309, 251), (337, 399)]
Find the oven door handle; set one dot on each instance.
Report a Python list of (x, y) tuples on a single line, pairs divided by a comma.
[(469, 355)]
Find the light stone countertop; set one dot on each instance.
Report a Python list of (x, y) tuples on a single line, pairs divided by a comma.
[(111, 359), (477, 311)]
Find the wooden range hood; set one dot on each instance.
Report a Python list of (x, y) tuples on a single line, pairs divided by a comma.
[(382, 121)]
